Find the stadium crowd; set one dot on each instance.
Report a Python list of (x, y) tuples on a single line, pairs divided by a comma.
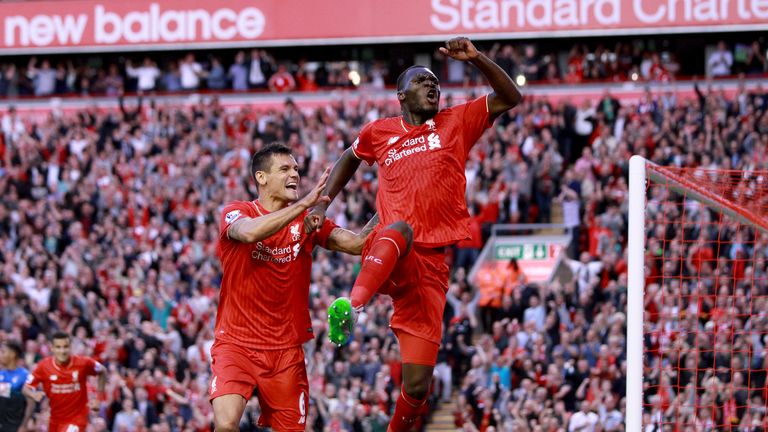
[(108, 226), (259, 69)]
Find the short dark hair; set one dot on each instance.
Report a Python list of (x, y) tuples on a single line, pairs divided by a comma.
[(14, 346), (262, 159), (401, 79), (59, 335)]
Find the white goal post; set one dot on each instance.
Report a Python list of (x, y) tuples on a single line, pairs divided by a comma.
[(635, 289)]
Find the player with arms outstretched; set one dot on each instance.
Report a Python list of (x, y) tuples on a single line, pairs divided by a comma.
[(64, 378), (421, 204), (263, 315)]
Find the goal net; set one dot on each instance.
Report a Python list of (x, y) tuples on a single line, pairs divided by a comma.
[(697, 299)]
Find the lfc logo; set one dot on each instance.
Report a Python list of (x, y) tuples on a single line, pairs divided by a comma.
[(295, 232)]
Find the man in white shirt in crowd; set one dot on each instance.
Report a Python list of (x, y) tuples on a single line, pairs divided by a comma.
[(583, 126), (582, 122), (535, 312), (13, 127), (190, 71), (146, 74), (260, 70), (585, 272), (570, 201), (585, 420), (720, 61)]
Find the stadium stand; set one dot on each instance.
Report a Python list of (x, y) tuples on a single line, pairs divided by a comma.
[(108, 231), (260, 70)]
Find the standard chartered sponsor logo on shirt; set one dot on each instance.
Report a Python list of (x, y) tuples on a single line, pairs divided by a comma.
[(279, 255), (412, 146), (65, 388)]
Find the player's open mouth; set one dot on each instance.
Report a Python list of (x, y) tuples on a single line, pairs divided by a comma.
[(432, 96), (292, 186)]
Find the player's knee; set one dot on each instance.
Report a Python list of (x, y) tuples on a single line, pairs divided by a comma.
[(227, 421), (417, 390), (405, 229), (227, 426)]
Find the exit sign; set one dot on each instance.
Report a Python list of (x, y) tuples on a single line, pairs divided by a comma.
[(527, 251)]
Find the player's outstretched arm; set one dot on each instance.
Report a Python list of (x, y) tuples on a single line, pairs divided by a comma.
[(101, 386), (28, 410), (346, 241), (250, 230), (343, 170), (505, 94), (32, 393)]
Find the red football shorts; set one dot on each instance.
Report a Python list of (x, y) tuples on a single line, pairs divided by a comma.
[(415, 350), (417, 286), (278, 376), (66, 427)]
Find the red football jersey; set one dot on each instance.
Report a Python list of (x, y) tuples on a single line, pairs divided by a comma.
[(264, 299), (66, 387), (421, 170)]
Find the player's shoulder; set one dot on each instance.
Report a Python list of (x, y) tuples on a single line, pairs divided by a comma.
[(21, 375), (44, 364), (80, 360), (86, 362), (383, 124), (240, 204), (460, 108), (390, 120), (235, 209), (452, 110), (16, 376)]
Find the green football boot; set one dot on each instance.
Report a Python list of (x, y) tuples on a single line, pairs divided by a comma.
[(341, 320)]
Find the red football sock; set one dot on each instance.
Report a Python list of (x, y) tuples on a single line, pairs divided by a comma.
[(388, 247), (407, 411)]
